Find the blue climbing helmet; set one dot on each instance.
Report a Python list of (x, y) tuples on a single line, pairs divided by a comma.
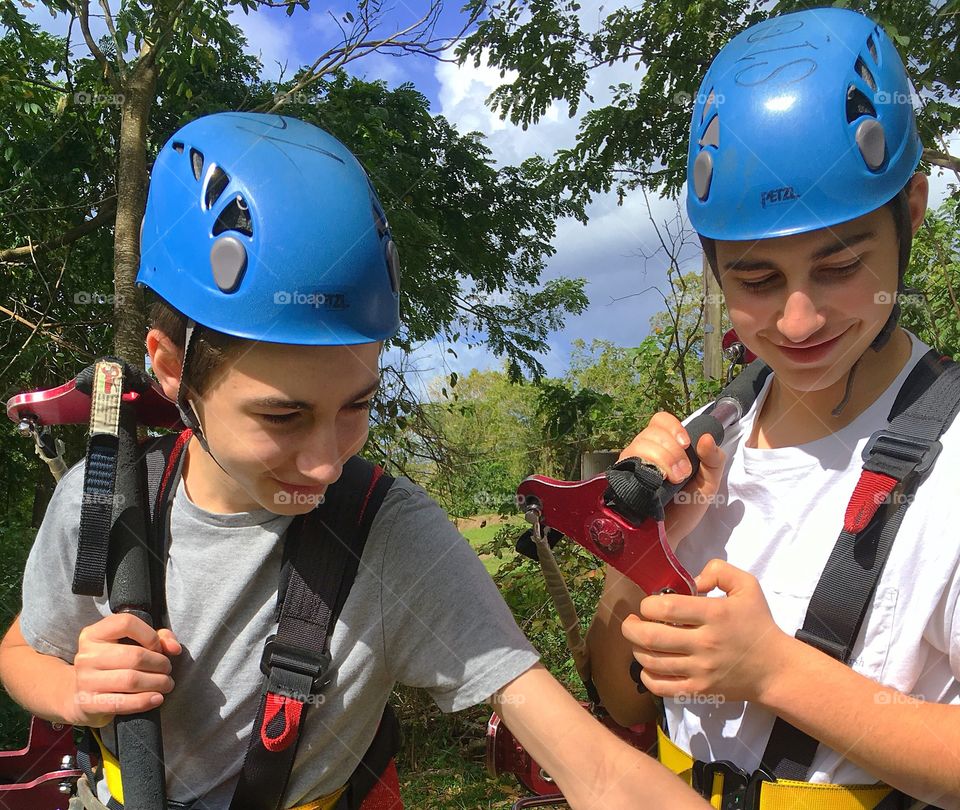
[(802, 121), (267, 228)]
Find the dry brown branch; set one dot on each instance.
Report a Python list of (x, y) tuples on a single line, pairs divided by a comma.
[(26, 253)]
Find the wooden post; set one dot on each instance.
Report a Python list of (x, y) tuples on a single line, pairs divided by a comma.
[(712, 313)]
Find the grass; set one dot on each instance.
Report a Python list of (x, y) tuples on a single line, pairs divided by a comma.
[(479, 534)]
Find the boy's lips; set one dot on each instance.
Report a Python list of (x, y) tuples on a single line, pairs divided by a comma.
[(812, 353), (312, 489)]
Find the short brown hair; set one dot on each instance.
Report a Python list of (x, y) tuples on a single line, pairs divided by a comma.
[(209, 349)]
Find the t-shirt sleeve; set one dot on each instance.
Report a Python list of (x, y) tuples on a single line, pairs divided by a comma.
[(446, 627), (52, 615)]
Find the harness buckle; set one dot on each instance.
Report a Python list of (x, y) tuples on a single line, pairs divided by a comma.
[(921, 452), (288, 669), (740, 791)]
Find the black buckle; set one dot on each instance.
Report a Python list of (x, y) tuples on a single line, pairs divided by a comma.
[(921, 452), (741, 791), (280, 658)]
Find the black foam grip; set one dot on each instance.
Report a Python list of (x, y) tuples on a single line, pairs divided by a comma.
[(140, 750)]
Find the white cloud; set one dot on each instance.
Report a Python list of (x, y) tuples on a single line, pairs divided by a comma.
[(941, 179), (271, 39)]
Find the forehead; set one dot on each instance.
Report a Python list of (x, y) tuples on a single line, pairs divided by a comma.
[(307, 373), (877, 224)]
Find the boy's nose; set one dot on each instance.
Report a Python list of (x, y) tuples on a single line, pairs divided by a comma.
[(801, 318), (319, 458)]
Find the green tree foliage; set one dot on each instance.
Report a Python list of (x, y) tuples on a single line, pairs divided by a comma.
[(639, 139), (473, 238), (489, 425), (934, 313)]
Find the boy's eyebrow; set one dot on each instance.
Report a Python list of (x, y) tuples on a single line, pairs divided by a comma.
[(748, 265), (300, 405), (842, 244)]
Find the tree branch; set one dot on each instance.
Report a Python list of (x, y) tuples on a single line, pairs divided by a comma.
[(83, 12), (25, 253), (108, 19), (418, 37), (39, 327), (937, 158)]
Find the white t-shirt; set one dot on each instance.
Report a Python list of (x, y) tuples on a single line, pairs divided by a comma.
[(778, 515)]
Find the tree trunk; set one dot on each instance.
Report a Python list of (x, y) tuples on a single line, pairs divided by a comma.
[(129, 319)]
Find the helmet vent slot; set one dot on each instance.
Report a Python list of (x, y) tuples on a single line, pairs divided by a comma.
[(196, 161), (872, 47), (708, 105), (858, 105), (216, 183), (235, 216), (178, 148), (865, 74), (393, 265), (711, 137)]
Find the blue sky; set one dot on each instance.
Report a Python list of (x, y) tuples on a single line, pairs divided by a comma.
[(613, 251)]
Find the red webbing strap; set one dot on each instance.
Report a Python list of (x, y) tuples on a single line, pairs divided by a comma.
[(172, 463), (281, 722), (385, 794), (872, 490)]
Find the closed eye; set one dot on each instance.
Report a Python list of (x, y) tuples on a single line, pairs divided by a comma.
[(844, 270), (759, 286), (278, 419)]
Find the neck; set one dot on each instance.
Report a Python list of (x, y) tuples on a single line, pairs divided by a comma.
[(790, 417), (209, 486)]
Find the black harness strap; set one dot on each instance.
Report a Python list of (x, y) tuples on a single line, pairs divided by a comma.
[(897, 460), (325, 554), (322, 552)]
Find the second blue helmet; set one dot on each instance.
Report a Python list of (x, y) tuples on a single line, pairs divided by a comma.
[(802, 121)]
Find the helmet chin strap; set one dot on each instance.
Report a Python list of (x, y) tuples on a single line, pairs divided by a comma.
[(188, 411)]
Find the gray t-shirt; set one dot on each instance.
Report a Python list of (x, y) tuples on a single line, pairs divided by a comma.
[(422, 611)]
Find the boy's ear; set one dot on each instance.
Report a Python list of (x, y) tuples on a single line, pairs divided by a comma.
[(165, 360), (917, 196)]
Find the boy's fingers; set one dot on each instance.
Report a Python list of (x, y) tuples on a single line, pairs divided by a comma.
[(122, 681), (119, 626), (169, 641), (710, 454), (112, 656), (102, 707)]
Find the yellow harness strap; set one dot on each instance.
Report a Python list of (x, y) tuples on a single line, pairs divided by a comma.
[(784, 794), (111, 771), (323, 803)]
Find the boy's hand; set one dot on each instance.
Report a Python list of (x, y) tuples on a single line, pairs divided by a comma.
[(664, 442), (113, 677), (727, 647)]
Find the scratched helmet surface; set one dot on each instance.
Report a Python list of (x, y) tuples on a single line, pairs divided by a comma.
[(802, 121), (267, 228)]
